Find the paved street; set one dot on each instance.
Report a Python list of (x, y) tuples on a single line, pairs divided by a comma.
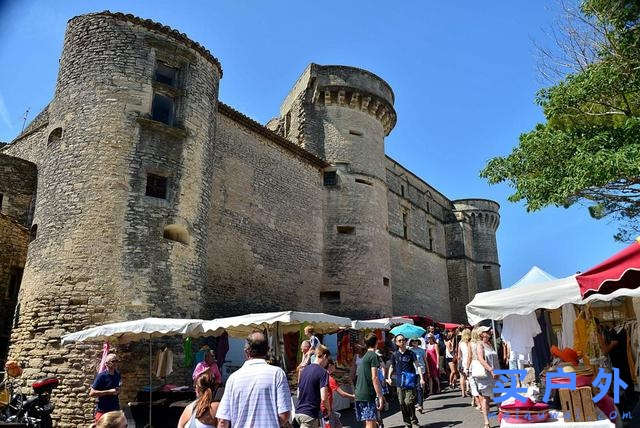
[(442, 410)]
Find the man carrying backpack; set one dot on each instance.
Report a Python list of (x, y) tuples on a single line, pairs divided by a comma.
[(403, 363)]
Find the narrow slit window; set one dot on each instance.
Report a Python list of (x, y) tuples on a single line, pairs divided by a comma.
[(357, 133), (330, 178), (402, 190), (347, 230), (405, 227), (361, 181), (1, 198), (162, 109), (156, 186), (430, 239), (166, 74)]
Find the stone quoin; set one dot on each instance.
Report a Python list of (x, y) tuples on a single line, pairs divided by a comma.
[(136, 192)]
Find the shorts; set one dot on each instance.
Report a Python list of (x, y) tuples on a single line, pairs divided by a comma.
[(449, 360), (366, 411)]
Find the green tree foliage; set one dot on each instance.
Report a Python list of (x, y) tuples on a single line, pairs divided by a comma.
[(588, 151)]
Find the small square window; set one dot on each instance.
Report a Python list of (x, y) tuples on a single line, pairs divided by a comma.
[(156, 186), (166, 74), (330, 297), (330, 178), (385, 281), (162, 109)]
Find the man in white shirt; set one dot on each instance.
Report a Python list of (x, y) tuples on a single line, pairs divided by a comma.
[(257, 395)]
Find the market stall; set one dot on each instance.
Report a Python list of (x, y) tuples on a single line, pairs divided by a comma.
[(525, 312), (274, 324), (136, 331)]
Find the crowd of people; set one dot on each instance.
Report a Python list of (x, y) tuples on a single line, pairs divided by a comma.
[(258, 394)]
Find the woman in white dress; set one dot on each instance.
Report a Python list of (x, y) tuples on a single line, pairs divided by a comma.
[(473, 386), (464, 358), (488, 357)]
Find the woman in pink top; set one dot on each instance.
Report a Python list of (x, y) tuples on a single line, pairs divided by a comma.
[(433, 356), (209, 364)]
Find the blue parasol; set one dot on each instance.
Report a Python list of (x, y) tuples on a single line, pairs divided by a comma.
[(409, 331)]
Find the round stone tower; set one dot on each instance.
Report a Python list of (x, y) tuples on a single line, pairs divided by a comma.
[(483, 214), (343, 114), (123, 196)]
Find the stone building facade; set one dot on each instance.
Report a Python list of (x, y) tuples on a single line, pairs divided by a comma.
[(154, 198)]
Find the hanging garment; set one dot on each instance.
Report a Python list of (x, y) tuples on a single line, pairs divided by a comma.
[(345, 352), (164, 363), (291, 348), (188, 359), (568, 323), (541, 353), (222, 347), (518, 331), (378, 333), (631, 360), (105, 351)]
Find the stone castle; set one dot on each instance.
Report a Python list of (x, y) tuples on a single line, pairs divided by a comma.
[(136, 192)]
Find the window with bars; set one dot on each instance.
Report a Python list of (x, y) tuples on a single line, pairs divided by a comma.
[(330, 178)]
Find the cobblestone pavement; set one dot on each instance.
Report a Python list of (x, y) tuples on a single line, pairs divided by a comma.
[(442, 410)]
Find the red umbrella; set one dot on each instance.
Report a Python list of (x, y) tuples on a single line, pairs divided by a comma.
[(449, 325), (622, 270)]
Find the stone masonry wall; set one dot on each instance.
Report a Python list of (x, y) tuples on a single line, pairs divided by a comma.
[(419, 281), (265, 246), (84, 267), (14, 239)]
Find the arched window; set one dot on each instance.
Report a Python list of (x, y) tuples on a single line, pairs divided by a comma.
[(55, 137)]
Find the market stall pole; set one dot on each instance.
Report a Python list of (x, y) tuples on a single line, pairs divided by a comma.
[(135, 331)]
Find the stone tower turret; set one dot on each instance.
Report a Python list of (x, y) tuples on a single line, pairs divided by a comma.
[(343, 114), (123, 194), (472, 264)]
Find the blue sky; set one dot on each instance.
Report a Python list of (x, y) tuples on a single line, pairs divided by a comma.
[(463, 74)]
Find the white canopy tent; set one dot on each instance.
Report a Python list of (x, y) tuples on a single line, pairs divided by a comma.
[(243, 325), (534, 276), (526, 298), (136, 330), (380, 323)]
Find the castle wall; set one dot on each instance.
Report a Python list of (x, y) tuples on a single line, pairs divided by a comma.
[(14, 239), (265, 246), (99, 254), (419, 278), (419, 281)]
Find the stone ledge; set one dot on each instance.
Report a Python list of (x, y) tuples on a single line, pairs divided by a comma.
[(167, 89), (154, 125)]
